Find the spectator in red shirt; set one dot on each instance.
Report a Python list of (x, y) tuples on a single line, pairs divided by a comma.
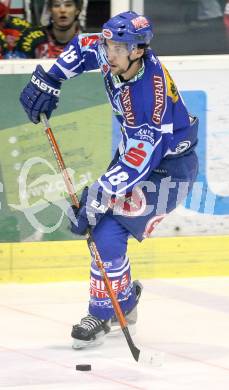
[(11, 29), (49, 41)]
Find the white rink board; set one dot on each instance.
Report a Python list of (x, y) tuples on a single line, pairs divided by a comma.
[(211, 75)]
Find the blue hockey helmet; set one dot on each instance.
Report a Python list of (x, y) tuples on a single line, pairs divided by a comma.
[(129, 27)]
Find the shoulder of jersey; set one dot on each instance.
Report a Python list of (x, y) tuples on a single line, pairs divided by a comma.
[(88, 40), (152, 58)]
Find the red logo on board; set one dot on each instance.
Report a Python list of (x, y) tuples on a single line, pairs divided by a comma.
[(132, 204), (151, 225)]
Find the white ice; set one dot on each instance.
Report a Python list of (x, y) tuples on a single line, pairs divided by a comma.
[(186, 319)]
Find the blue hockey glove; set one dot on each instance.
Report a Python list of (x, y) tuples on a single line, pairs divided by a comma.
[(78, 216), (78, 220), (92, 209), (41, 95)]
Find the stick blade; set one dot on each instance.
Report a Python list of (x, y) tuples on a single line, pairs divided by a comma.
[(134, 350)]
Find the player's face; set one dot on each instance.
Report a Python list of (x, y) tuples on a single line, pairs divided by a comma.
[(117, 55), (63, 13)]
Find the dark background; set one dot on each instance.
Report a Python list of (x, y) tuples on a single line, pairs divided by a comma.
[(176, 26), (177, 29)]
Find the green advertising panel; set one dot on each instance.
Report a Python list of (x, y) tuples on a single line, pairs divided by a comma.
[(32, 191)]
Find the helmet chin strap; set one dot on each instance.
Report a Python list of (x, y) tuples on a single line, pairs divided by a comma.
[(131, 62)]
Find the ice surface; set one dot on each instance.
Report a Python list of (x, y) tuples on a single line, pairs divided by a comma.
[(185, 319)]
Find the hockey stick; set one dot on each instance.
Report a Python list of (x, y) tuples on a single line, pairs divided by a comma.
[(91, 244)]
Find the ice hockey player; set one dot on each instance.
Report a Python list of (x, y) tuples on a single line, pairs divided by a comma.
[(153, 169)]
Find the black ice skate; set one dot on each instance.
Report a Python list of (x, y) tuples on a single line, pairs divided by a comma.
[(90, 332), (131, 315)]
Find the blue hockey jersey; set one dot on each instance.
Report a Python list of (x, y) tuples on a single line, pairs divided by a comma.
[(153, 118)]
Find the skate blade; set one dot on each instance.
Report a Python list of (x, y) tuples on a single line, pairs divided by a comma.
[(82, 344)]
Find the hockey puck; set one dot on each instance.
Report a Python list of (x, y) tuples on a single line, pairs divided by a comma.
[(83, 367)]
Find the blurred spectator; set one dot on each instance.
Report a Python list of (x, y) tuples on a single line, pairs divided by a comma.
[(49, 41), (208, 28), (226, 18), (210, 9), (40, 7), (3, 45), (11, 29), (83, 15), (45, 15)]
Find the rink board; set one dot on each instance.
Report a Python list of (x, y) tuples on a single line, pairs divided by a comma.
[(59, 257), (154, 258), (82, 125)]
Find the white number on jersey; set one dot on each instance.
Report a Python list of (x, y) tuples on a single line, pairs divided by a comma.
[(116, 179), (69, 55)]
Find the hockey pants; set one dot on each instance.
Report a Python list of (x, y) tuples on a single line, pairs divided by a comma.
[(171, 182)]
